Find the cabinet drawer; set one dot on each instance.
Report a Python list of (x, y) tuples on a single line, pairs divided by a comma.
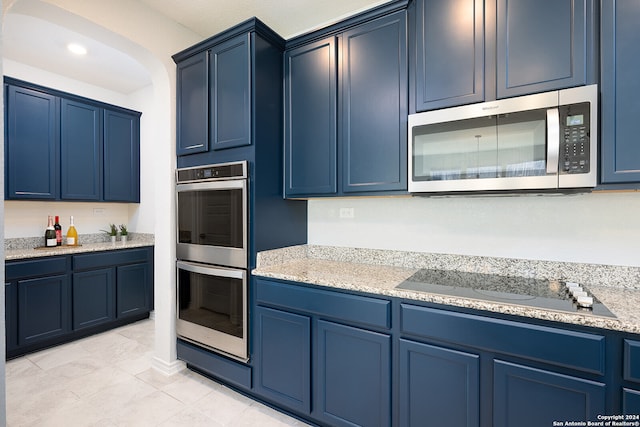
[(36, 267), (577, 350), (111, 258), (632, 361), (345, 307)]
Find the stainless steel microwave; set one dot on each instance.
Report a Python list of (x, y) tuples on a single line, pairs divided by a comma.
[(535, 142)]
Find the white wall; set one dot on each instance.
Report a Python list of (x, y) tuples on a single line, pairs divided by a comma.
[(601, 228), (3, 394), (150, 38)]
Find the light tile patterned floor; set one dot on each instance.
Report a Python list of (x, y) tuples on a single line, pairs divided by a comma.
[(107, 380)]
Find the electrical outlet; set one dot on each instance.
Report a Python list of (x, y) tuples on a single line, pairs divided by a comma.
[(98, 211), (347, 213)]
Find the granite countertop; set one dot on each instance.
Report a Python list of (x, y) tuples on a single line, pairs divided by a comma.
[(379, 272), (26, 248)]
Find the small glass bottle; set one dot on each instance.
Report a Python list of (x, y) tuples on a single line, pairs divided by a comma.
[(50, 234), (72, 234), (58, 228)]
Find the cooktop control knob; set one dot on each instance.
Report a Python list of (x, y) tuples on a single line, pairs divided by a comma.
[(585, 301), (579, 294)]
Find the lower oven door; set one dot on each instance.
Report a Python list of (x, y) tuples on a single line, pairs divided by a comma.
[(212, 308)]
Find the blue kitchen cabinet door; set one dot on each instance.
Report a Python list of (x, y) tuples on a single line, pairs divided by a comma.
[(438, 386), (32, 144), (43, 309), (230, 94), (542, 46), (449, 64), (132, 290), (311, 119), (354, 376), (192, 102), (630, 402), (530, 397), (373, 87), (11, 315), (283, 362), (80, 151), (121, 156), (620, 89), (93, 296)]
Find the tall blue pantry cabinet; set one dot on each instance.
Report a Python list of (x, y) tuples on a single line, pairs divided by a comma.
[(229, 108)]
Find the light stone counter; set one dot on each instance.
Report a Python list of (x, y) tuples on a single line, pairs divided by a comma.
[(379, 272), (25, 248)]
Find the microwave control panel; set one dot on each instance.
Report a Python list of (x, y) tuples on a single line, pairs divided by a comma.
[(575, 144)]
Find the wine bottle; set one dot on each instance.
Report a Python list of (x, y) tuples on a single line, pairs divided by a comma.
[(72, 234), (58, 228), (50, 234)]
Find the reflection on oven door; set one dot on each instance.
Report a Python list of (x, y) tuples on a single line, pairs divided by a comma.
[(211, 301)]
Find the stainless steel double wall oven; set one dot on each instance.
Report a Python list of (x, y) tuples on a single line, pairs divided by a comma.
[(212, 257)]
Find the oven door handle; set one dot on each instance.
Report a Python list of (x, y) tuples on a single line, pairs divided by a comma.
[(233, 184), (211, 270)]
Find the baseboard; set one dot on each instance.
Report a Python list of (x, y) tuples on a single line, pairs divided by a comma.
[(168, 369)]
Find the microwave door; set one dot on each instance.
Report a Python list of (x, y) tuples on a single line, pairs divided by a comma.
[(504, 151)]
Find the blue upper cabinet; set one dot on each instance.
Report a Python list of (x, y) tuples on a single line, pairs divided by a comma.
[(311, 127), (470, 51), (230, 94), (449, 55), (80, 151), (61, 146), (346, 91), (192, 105), (620, 89), (121, 156), (542, 46), (32, 144), (373, 86)]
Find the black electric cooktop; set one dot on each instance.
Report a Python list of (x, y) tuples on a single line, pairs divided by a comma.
[(538, 293)]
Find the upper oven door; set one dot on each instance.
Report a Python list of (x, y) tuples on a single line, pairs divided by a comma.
[(212, 222)]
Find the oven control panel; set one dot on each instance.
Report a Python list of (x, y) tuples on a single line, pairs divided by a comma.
[(212, 172)]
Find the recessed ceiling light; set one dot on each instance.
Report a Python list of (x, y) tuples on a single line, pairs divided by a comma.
[(76, 48)]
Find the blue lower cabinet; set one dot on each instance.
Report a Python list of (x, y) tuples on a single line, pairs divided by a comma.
[(132, 291), (354, 376), (526, 396), (631, 402), (93, 298), (283, 369), (438, 386), (43, 309), (52, 300), (11, 315)]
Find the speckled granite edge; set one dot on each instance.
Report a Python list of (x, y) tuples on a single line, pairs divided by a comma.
[(22, 248), (587, 274), (351, 269)]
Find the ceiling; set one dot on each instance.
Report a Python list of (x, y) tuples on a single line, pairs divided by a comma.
[(36, 42)]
